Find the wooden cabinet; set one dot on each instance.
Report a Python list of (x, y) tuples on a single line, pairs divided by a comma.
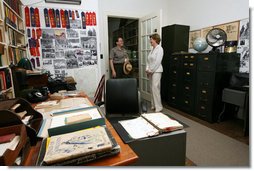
[(196, 82), (12, 39)]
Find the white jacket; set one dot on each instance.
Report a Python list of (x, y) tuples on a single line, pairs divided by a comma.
[(154, 59)]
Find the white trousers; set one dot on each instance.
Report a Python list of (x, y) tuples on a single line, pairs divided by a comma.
[(155, 86)]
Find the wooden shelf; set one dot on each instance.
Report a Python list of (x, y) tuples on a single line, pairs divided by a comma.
[(3, 67), (1, 20), (15, 29), (2, 43), (17, 47), (18, 16), (5, 91)]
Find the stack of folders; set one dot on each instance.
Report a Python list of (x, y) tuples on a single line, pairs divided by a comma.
[(78, 147), (149, 124)]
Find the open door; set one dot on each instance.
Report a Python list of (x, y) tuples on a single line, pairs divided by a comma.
[(148, 25)]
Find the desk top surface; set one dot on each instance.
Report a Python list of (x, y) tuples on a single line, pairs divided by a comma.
[(125, 157)]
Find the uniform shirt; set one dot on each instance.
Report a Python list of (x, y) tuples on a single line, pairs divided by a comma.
[(118, 55), (154, 60)]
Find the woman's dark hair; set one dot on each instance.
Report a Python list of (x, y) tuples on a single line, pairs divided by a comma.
[(119, 37), (156, 37)]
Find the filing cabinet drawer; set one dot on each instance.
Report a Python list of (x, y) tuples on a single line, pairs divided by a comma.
[(173, 72), (203, 110), (205, 79), (187, 103), (189, 65), (172, 99), (175, 61), (188, 75), (206, 63)]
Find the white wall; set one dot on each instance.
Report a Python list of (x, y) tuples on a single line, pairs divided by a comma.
[(203, 13), (87, 78)]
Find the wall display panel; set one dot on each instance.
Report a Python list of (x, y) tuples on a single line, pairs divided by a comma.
[(244, 45), (61, 39)]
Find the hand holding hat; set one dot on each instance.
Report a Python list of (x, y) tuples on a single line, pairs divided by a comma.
[(127, 67)]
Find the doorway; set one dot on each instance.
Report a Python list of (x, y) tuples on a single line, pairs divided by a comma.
[(128, 29)]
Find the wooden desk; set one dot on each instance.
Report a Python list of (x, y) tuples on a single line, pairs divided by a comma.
[(125, 157)]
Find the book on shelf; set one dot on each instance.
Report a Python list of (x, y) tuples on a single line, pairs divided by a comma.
[(149, 124), (78, 147), (3, 80)]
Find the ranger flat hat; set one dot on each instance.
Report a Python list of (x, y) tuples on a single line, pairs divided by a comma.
[(127, 68)]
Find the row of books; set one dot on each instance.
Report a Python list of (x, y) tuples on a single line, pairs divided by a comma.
[(15, 55), (5, 79), (10, 17), (15, 5)]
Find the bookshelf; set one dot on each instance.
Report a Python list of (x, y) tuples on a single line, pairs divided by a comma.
[(12, 43)]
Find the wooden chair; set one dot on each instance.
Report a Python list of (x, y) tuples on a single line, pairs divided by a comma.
[(99, 92)]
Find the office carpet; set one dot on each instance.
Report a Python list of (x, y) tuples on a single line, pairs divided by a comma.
[(207, 147)]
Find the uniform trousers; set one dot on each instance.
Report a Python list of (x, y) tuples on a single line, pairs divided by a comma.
[(155, 85)]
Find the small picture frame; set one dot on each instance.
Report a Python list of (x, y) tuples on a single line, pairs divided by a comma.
[(231, 29), (192, 37), (204, 31)]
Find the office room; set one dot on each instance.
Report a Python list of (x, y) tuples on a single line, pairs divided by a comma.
[(125, 83)]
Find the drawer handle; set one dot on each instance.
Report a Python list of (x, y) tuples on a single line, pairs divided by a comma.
[(186, 57), (204, 92), (191, 64), (192, 57), (187, 73), (186, 102), (205, 84), (202, 107), (185, 64), (175, 58), (187, 88), (174, 72), (173, 85), (206, 59), (173, 97)]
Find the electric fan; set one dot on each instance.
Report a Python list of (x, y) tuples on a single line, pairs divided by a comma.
[(216, 38)]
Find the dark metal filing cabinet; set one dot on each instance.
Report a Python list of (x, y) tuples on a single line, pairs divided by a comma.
[(197, 86)]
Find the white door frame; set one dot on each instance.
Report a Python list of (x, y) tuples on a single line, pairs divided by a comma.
[(145, 94), (105, 46)]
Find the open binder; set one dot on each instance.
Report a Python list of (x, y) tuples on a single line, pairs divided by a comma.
[(147, 125)]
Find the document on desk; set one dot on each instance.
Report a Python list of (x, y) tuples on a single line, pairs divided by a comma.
[(60, 120), (9, 145), (139, 128), (162, 122)]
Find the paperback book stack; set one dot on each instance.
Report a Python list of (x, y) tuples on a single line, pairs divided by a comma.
[(77, 148)]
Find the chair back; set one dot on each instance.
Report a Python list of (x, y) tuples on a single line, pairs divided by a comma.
[(99, 91), (121, 96)]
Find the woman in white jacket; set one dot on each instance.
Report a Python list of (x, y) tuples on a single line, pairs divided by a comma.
[(154, 70)]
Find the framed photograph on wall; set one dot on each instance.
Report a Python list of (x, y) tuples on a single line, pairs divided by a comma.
[(243, 47), (204, 31), (232, 30), (193, 35)]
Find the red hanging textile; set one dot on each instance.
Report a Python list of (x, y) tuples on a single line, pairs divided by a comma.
[(63, 18), (27, 16), (37, 17)]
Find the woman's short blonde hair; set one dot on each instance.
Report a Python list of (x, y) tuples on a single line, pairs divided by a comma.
[(156, 37)]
